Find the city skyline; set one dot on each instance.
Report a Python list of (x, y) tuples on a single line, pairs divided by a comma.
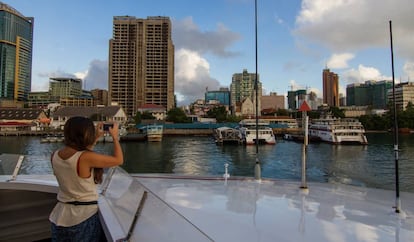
[(215, 39)]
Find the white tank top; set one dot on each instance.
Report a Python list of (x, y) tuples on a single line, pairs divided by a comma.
[(72, 188)]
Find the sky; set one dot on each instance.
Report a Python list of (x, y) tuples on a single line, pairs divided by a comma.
[(214, 39)]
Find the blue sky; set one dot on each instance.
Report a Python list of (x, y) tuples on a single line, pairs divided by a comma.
[(214, 39)]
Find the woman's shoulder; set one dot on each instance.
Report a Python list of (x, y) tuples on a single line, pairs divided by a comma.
[(66, 153)]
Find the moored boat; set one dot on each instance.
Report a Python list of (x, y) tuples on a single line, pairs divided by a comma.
[(248, 129), (225, 135), (338, 131), (154, 132)]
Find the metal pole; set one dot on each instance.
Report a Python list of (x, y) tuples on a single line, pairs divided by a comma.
[(304, 149), (397, 185), (257, 172)]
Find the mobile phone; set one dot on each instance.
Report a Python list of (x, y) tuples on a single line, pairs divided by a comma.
[(106, 126)]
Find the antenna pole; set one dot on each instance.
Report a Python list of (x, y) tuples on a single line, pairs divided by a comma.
[(257, 172), (397, 180)]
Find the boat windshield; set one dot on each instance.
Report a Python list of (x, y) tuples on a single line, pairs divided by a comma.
[(137, 209)]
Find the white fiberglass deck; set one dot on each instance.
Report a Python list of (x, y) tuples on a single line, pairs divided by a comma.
[(246, 210), (154, 207)]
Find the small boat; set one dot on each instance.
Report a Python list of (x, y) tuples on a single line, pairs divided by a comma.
[(224, 135), (338, 131), (248, 129), (140, 135), (154, 132), (52, 138)]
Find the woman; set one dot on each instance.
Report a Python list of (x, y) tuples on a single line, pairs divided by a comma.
[(78, 170)]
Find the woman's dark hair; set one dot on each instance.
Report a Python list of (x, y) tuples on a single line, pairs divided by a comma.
[(80, 134)]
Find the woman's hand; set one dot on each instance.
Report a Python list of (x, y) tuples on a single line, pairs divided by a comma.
[(114, 130), (99, 131)]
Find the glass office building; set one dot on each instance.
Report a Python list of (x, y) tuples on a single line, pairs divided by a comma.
[(16, 43)]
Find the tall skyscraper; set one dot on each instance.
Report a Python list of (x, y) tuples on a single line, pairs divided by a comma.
[(243, 86), (141, 63), (330, 88), (16, 43)]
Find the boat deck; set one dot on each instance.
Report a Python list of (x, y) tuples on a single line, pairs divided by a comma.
[(169, 207)]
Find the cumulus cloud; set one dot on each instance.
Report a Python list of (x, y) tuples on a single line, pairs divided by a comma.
[(192, 76), (339, 61), (349, 25), (97, 75), (408, 71), (186, 34), (362, 74)]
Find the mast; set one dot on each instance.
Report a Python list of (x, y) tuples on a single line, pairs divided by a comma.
[(257, 171), (397, 180)]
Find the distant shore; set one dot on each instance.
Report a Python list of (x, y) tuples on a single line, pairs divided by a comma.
[(167, 132)]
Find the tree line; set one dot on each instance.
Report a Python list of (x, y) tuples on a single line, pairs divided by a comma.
[(383, 122)]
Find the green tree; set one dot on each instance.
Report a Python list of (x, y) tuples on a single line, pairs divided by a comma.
[(177, 115), (337, 112), (138, 118), (147, 115), (219, 113)]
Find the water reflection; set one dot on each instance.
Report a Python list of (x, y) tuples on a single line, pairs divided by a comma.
[(371, 165)]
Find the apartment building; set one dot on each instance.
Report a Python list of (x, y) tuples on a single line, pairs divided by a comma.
[(141, 63)]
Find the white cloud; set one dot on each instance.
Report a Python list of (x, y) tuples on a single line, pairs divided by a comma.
[(362, 74), (345, 25), (408, 72), (192, 76), (186, 34), (339, 61)]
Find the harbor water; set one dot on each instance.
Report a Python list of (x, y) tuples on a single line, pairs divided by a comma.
[(371, 165)]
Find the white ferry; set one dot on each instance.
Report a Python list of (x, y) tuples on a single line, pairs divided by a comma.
[(248, 130), (338, 131)]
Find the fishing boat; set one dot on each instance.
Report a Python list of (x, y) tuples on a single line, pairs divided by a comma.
[(154, 132), (172, 207), (248, 128), (338, 131)]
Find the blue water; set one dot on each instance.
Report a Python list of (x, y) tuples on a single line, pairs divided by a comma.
[(371, 165)]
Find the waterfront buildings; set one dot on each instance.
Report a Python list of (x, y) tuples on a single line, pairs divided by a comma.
[(404, 94), (242, 87), (330, 88), (16, 44), (370, 93), (141, 63), (100, 97), (222, 96), (65, 87), (67, 92), (272, 101)]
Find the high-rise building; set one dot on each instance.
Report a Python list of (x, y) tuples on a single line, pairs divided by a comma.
[(222, 96), (141, 63), (330, 88), (370, 93), (100, 97), (16, 43), (65, 87), (243, 86), (404, 94)]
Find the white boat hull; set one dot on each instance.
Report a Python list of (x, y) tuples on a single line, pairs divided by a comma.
[(337, 131)]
